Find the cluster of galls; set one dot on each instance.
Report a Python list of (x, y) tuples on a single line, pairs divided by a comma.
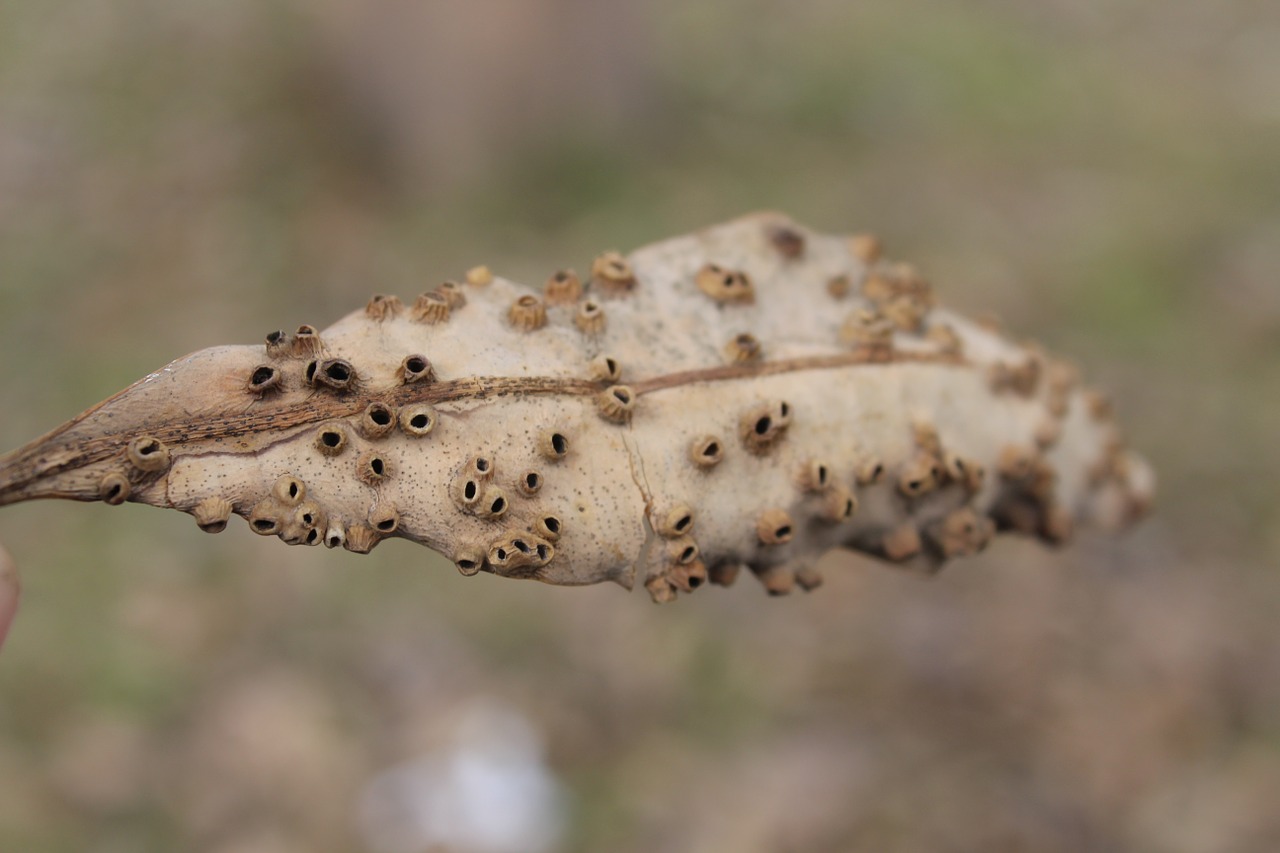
[(611, 277), (678, 566), (513, 552), (475, 488), (287, 511), (147, 457), (683, 569), (1027, 505), (899, 299), (961, 532), (431, 307), (828, 498)]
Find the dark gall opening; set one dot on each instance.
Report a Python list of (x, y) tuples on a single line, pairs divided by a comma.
[(559, 444), (763, 424), (262, 376), (552, 523), (419, 421), (331, 438)]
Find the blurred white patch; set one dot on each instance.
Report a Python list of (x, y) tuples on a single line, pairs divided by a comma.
[(488, 791)]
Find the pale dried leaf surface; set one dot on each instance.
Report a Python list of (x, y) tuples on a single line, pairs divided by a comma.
[(876, 421)]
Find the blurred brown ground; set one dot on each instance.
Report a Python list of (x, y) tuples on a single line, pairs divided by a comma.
[(175, 175)]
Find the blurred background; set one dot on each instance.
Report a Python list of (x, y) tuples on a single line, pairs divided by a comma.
[(1105, 176)]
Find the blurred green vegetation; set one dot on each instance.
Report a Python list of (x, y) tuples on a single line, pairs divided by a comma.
[(175, 175)]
